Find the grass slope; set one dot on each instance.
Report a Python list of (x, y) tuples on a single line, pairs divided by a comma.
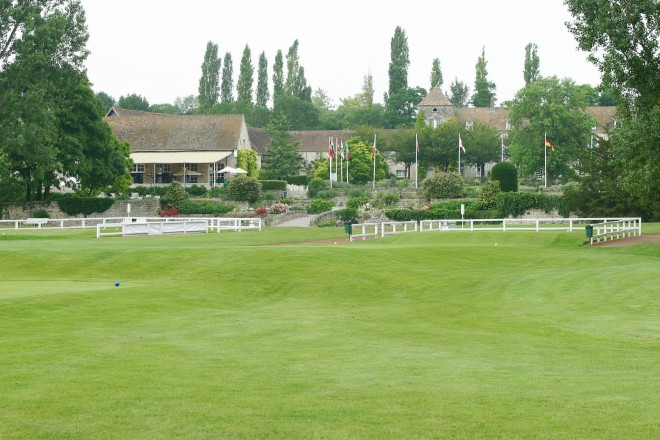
[(414, 336)]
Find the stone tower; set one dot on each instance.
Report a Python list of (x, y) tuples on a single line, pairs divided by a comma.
[(436, 107)]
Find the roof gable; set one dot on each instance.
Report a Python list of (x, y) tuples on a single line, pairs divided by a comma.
[(434, 98)]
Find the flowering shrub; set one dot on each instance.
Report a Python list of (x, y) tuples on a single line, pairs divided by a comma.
[(278, 208), (261, 212), (170, 212)]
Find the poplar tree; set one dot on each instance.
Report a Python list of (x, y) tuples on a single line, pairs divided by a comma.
[(209, 83), (278, 74), (227, 85), (531, 70), (484, 90), (245, 77), (399, 62), (262, 82), (368, 90), (296, 84), (436, 74), (458, 93)]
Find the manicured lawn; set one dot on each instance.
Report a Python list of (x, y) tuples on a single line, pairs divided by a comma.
[(424, 335)]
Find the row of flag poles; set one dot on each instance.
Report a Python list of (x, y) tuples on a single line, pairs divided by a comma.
[(338, 152)]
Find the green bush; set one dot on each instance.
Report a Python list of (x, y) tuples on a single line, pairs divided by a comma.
[(443, 186), (320, 205), (488, 195), (196, 190), (273, 185), (357, 192), (195, 207), (40, 213), (327, 194), (507, 174), (391, 198), (176, 196), (244, 188), (348, 215), (516, 203), (84, 205), (357, 202), (216, 191), (316, 185), (297, 180)]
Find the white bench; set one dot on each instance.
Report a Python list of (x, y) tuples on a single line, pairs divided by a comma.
[(39, 222)]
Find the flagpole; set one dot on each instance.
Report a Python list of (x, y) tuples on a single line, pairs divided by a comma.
[(348, 156), (373, 150), (330, 149), (341, 168), (459, 154), (502, 147), (545, 159), (336, 160), (416, 162)]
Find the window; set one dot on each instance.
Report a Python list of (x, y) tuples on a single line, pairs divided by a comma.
[(192, 167), (400, 174), (469, 125), (137, 168), (167, 168), (617, 123), (478, 170), (435, 123), (191, 179), (508, 125), (435, 109), (538, 175)]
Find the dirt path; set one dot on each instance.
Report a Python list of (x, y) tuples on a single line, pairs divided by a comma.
[(630, 240)]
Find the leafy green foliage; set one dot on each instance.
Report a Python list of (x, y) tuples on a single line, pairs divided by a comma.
[(247, 160), (488, 195), (391, 198), (517, 203), (506, 174), (347, 215), (273, 185), (197, 207), (40, 213), (436, 74), (357, 202), (84, 205), (196, 190), (318, 206), (531, 69), (484, 90), (245, 78), (176, 195), (315, 185), (442, 186), (209, 83), (283, 155), (459, 93), (244, 188), (133, 102)]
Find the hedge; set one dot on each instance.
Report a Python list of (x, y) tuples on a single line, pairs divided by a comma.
[(273, 185), (216, 209), (297, 180), (516, 203), (84, 205)]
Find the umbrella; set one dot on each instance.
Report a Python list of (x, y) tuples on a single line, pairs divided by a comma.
[(232, 170), (188, 173), (240, 171)]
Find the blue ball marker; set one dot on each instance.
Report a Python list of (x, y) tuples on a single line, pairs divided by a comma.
[(116, 283)]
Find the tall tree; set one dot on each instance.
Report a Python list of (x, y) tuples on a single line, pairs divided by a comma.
[(133, 102), (295, 83), (367, 94), (263, 94), (245, 77), (555, 107), (227, 84), (209, 82), (485, 146), (531, 70), (187, 105), (484, 90), (436, 74), (459, 93), (399, 62), (278, 74), (283, 155), (107, 100), (623, 38)]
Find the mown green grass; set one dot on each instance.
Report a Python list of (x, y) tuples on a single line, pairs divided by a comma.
[(424, 335)]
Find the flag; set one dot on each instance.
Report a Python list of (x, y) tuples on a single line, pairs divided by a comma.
[(548, 144), (373, 149), (341, 150), (503, 146), (348, 153), (460, 143), (332, 150)]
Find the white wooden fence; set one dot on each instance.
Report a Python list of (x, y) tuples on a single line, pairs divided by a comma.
[(391, 228), (514, 224), (613, 230), (363, 230)]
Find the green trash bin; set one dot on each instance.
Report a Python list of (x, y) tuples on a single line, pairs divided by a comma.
[(348, 228), (589, 230)]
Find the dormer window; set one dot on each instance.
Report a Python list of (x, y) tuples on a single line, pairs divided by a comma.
[(469, 125)]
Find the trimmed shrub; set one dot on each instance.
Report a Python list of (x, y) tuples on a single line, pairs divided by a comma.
[(348, 215), (176, 196), (488, 195), (297, 180), (443, 186), (196, 190), (40, 213), (244, 188), (516, 203), (327, 194), (84, 205), (320, 205), (391, 198), (273, 185), (507, 174), (357, 202), (316, 185), (194, 207)]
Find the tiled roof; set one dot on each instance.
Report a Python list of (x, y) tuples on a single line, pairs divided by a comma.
[(435, 98), (496, 117), (315, 141), (604, 116), (163, 132)]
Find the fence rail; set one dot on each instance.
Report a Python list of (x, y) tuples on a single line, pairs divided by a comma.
[(514, 224), (365, 230), (615, 229), (391, 228)]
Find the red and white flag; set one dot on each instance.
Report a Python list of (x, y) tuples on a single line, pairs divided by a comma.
[(460, 143)]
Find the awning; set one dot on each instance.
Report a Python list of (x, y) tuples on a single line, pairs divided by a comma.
[(180, 156), (188, 173)]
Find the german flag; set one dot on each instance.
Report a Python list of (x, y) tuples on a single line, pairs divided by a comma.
[(548, 144)]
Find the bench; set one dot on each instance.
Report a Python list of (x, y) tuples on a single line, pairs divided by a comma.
[(39, 222)]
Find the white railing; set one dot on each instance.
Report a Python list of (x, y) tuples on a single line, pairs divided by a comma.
[(214, 223), (365, 230), (514, 224), (391, 228), (614, 230), (109, 229), (234, 224)]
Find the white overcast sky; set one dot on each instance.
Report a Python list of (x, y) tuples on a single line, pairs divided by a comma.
[(155, 48)]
